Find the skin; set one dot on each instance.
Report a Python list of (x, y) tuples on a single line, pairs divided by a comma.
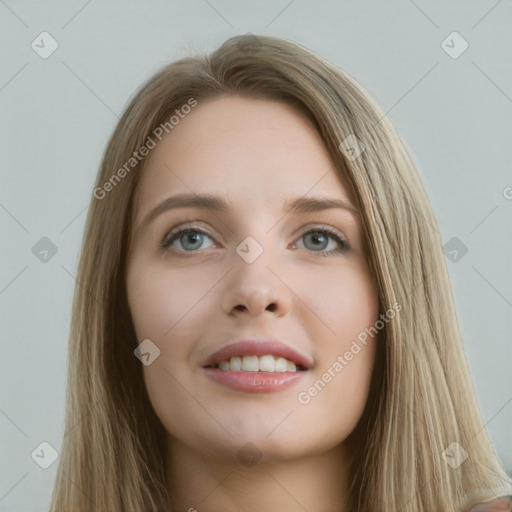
[(257, 155)]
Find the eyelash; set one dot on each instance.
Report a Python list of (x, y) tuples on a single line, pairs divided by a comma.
[(174, 234)]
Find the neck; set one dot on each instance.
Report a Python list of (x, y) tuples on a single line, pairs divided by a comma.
[(207, 484)]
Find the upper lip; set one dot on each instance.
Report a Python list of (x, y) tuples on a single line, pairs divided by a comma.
[(258, 348)]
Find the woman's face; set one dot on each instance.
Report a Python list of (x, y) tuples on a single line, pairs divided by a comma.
[(254, 270)]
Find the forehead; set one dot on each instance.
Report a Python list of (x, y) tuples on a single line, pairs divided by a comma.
[(248, 150)]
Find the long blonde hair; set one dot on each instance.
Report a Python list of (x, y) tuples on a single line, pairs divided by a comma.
[(422, 398)]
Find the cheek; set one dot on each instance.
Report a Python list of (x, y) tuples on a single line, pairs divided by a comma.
[(349, 391), (351, 385), (347, 304), (345, 300), (166, 307), (334, 399), (163, 301)]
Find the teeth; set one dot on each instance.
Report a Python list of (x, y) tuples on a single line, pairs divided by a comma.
[(280, 364), (250, 364), (290, 367), (224, 365), (235, 363), (266, 363)]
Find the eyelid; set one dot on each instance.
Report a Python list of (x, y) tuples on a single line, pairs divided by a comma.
[(320, 227)]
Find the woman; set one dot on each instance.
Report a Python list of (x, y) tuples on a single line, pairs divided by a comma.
[(274, 376)]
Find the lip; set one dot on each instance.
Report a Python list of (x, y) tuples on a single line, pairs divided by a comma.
[(257, 382), (258, 348)]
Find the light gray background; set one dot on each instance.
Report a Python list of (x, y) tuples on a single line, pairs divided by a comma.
[(57, 113)]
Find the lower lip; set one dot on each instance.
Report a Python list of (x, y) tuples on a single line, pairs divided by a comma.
[(255, 382)]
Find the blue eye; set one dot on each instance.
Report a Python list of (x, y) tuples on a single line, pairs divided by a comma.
[(319, 238), (190, 238), (316, 240)]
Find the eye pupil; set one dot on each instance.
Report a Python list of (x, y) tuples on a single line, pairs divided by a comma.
[(192, 237), (317, 238)]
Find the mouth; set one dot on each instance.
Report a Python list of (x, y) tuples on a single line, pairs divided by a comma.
[(257, 366)]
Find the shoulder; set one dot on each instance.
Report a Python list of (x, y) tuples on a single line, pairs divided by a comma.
[(500, 504)]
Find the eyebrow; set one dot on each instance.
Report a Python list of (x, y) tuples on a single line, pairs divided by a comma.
[(216, 203)]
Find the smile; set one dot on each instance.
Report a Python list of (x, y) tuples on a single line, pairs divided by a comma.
[(257, 366), (265, 363)]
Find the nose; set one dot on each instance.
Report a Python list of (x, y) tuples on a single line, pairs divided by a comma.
[(254, 288)]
